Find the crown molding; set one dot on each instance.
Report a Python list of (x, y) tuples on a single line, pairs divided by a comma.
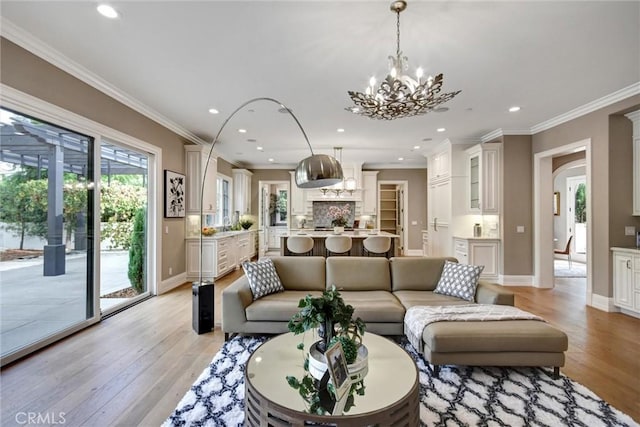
[(590, 107), (36, 46), (504, 132)]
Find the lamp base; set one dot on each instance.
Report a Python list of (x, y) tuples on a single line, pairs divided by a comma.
[(203, 303)]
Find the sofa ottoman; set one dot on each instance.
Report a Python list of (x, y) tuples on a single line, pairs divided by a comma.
[(494, 343)]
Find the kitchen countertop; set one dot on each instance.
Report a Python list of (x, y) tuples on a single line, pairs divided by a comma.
[(484, 239), (221, 235), (322, 234), (632, 250)]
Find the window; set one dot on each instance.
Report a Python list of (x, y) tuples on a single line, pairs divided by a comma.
[(223, 202)]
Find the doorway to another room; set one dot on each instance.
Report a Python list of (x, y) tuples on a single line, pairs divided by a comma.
[(273, 221)]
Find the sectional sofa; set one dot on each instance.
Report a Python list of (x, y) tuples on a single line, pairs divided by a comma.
[(381, 291)]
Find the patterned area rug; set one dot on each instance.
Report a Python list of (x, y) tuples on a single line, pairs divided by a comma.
[(462, 396)]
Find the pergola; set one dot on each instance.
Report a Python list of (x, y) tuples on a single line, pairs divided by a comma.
[(30, 143)]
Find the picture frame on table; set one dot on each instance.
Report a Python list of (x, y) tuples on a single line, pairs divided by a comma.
[(174, 194), (338, 371)]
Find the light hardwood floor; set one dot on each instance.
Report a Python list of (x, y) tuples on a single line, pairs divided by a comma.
[(133, 368)]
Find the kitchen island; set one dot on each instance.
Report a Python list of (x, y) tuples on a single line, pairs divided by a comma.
[(356, 238)]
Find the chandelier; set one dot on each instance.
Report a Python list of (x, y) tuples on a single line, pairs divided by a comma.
[(400, 95)]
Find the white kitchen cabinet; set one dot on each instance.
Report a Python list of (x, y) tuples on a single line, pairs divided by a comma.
[(225, 255), (425, 243), (483, 179), (242, 191), (626, 280), (275, 233), (297, 198), (440, 165), (369, 192), (635, 118), (195, 163), (479, 251), (193, 259)]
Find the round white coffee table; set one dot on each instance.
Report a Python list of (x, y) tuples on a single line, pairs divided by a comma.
[(391, 395)]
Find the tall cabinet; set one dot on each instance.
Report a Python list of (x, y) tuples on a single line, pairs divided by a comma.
[(196, 161), (242, 191), (635, 118), (446, 175), (483, 184)]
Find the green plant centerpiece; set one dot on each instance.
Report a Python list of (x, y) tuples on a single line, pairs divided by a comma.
[(245, 223), (334, 321)]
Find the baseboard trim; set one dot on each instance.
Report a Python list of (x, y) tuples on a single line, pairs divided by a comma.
[(603, 303), (171, 283), (414, 252), (515, 280)]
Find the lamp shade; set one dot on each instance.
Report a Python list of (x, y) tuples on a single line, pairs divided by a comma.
[(318, 170)]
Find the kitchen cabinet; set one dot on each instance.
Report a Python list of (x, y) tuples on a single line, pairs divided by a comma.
[(425, 243), (246, 244), (478, 251), (195, 164), (275, 233), (483, 179), (369, 192), (626, 280), (298, 197), (193, 259), (635, 119), (220, 254), (439, 165), (226, 253), (439, 218), (242, 191)]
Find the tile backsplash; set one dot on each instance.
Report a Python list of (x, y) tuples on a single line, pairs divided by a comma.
[(321, 216)]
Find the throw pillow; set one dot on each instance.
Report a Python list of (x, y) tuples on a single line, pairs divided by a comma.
[(263, 277), (459, 280)]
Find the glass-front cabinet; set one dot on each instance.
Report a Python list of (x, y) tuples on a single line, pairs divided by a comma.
[(483, 188)]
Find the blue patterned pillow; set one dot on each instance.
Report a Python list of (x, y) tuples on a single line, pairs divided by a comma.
[(263, 277), (459, 280)]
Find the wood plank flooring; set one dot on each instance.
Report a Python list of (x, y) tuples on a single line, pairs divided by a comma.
[(133, 368)]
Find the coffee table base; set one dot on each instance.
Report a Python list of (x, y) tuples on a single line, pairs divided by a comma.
[(260, 411)]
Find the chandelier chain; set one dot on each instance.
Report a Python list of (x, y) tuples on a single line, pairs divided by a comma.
[(398, 33)]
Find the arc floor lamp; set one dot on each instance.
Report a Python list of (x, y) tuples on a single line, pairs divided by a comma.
[(315, 171)]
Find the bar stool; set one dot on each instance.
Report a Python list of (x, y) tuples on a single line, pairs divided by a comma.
[(338, 245), (377, 245), (300, 245)]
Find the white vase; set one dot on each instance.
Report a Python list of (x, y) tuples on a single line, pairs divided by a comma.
[(357, 370), (338, 230)]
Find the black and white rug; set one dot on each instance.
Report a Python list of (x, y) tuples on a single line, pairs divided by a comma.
[(461, 396)]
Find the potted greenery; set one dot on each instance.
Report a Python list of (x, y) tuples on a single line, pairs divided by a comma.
[(333, 318), (245, 223)]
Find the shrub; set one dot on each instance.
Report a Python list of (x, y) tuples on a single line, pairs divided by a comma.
[(137, 252)]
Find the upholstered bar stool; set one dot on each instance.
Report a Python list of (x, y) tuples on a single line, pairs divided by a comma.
[(376, 245), (337, 245), (300, 245)]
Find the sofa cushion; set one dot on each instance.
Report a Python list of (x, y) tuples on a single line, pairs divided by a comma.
[(304, 273), (416, 273), (263, 278), (374, 306), (410, 298), (459, 280), (279, 307), (350, 273)]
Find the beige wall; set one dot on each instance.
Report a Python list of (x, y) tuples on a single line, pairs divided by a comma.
[(517, 196), (30, 74), (417, 206), (606, 200), (225, 168)]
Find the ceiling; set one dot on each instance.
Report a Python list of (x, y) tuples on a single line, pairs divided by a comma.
[(177, 59)]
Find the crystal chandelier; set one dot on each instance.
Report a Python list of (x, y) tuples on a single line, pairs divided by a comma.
[(400, 95)]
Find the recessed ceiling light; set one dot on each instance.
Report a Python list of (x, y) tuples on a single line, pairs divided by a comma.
[(213, 111), (416, 147), (340, 130), (441, 129), (440, 110), (426, 139), (251, 140), (271, 159), (401, 158), (242, 130), (514, 109), (107, 11), (259, 148)]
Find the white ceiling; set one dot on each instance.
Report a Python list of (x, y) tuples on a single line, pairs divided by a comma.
[(180, 58)]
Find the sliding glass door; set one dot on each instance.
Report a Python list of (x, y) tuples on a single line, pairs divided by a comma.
[(46, 232)]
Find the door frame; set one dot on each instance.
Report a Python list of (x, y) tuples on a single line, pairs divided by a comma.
[(405, 217), (543, 256), (265, 227), (30, 105), (573, 182)]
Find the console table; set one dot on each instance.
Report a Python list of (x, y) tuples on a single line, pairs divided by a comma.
[(391, 395)]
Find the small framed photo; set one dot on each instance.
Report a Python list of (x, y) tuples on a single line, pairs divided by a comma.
[(174, 194), (338, 371)]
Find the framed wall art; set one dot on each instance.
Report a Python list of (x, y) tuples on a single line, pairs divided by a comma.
[(174, 194)]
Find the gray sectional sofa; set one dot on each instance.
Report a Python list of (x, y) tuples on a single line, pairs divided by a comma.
[(381, 290)]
